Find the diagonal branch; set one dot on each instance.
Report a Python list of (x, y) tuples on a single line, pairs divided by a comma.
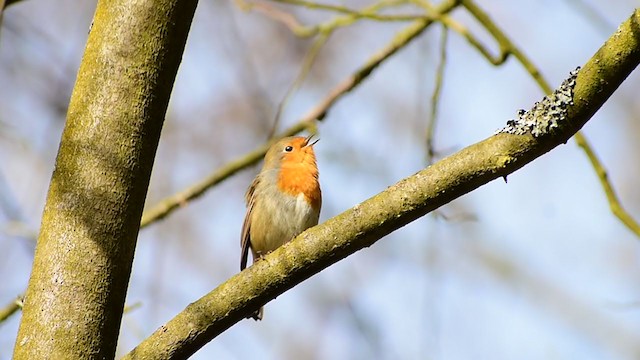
[(10, 309), (509, 48), (369, 13), (318, 112), (407, 200), (435, 97), (614, 202), (173, 202)]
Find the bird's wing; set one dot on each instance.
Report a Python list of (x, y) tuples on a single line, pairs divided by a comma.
[(245, 239)]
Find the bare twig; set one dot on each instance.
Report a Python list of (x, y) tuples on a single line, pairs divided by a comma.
[(469, 36), (435, 97), (258, 98), (348, 17), (10, 309), (173, 202), (276, 14), (304, 71), (166, 206), (369, 13), (614, 202), (508, 47)]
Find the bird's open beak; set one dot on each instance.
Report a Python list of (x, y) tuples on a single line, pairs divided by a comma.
[(308, 142)]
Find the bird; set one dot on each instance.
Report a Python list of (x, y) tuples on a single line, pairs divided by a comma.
[(283, 200)]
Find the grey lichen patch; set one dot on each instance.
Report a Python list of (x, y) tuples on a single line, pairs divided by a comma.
[(547, 114)]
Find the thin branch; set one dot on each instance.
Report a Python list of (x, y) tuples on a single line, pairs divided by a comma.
[(469, 36), (398, 205), (368, 13), (509, 48), (10, 309), (612, 197), (351, 16), (168, 205), (173, 202), (307, 63), (132, 307), (276, 14), (249, 76), (435, 97)]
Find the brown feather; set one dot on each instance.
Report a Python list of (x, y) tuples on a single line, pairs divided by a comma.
[(245, 239)]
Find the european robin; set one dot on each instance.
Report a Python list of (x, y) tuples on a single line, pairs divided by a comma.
[(283, 200)]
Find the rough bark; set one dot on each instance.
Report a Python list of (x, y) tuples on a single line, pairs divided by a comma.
[(85, 249)]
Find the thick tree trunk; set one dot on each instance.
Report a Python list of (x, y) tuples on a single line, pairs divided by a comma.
[(83, 258)]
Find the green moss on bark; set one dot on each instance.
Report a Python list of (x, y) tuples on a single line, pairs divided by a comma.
[(83, 258)]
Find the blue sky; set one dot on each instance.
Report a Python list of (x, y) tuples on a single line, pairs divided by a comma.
[(535, 268)]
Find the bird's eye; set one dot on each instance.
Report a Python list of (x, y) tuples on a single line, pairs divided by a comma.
[(288, 148)]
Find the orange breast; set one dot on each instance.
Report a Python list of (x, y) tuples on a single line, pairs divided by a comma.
[(301, 178)]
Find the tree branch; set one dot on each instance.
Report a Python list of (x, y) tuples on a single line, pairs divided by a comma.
[(6, 3), (173, 202), (9, 309), (318, 112), (506, 48), (409, 199)]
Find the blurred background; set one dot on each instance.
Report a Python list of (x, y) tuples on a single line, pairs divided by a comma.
[(535, 268)]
